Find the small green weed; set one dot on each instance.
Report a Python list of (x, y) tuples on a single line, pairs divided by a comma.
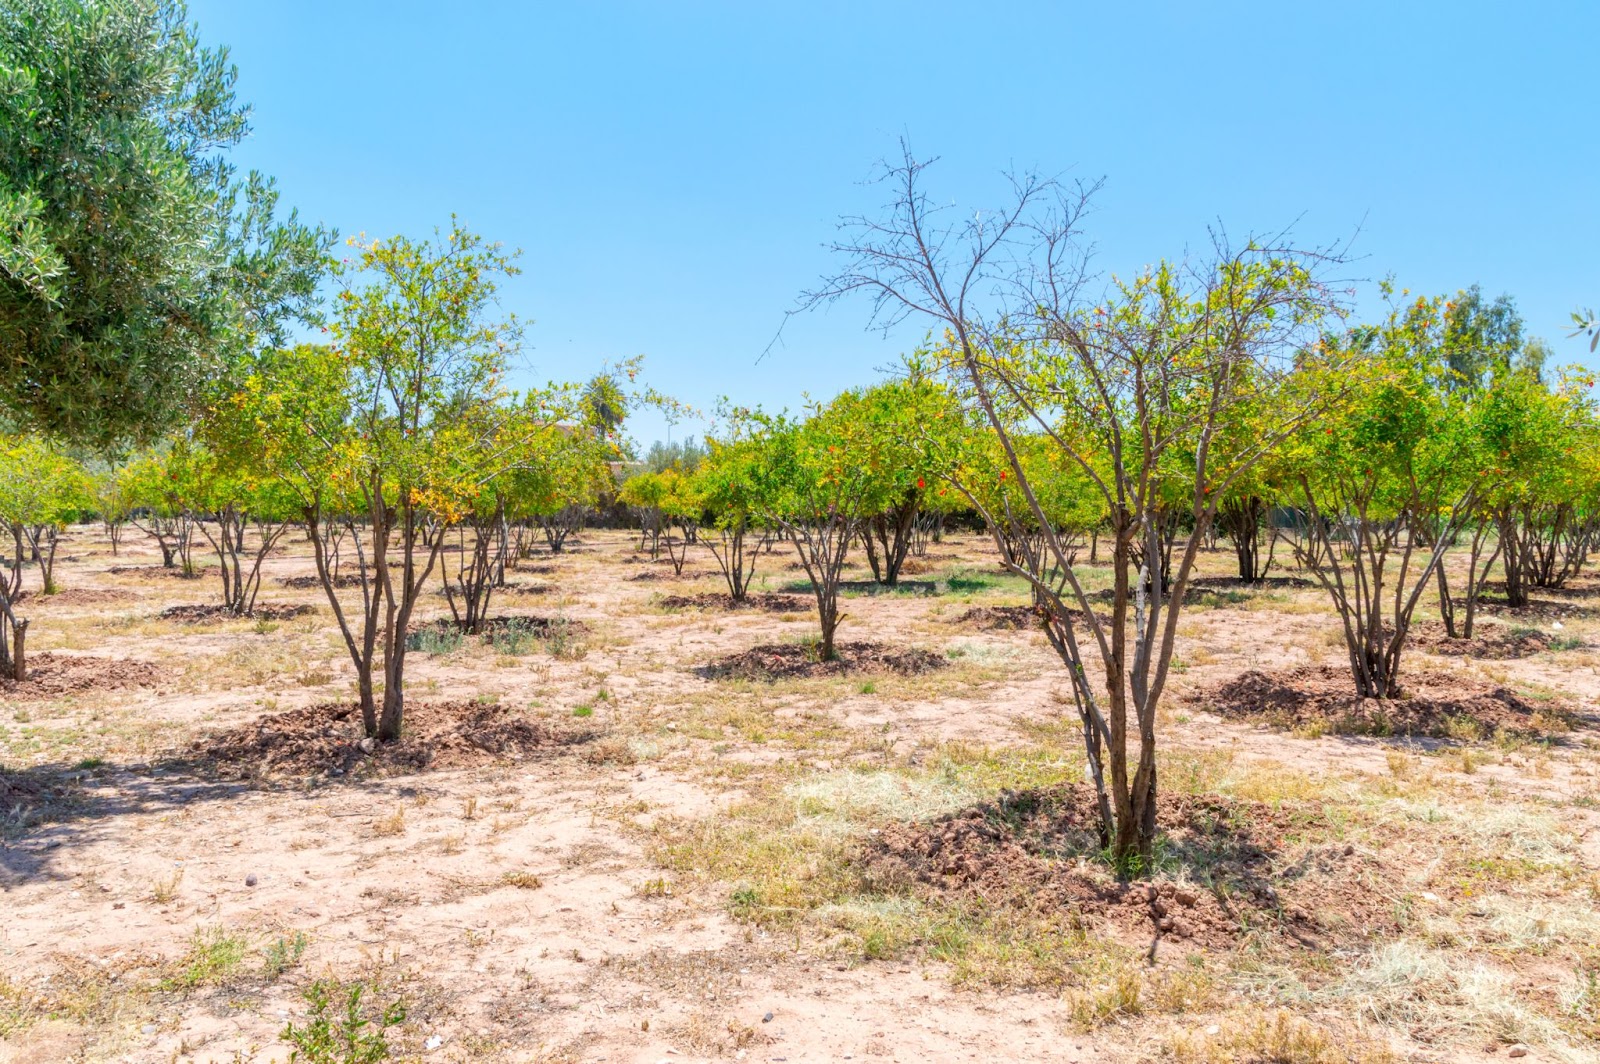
[(283, 953), (358, 1036), (214, 955), (435, 639), (515, 638)]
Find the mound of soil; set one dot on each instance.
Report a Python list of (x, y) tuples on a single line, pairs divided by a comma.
[(666, 573), (1034, 851), (51, 675), (526, 622), (510, 587), (767, 602), (200, 572), (1007, 618), (1234, 583), (1494, 641), (1326, 695), (1537, 609), (305, 583), (789, 661), (217, 612), (328, 740), (904, 587), (75, 596)]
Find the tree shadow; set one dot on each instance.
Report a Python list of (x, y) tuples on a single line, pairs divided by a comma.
[(52, 809), (49, 810)]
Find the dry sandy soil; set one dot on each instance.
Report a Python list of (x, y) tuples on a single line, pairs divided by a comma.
[(619, 832)]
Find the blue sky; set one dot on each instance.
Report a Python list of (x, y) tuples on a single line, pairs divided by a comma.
[(672, 171)]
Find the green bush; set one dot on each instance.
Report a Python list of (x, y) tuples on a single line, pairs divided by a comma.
[(354, 1037)]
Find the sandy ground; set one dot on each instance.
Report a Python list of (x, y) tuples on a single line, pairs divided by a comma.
[(517, 905)]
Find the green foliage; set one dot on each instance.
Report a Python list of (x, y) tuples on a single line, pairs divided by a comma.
[(215, 955), (670, 494), (684, 456), (728, 481), (133, 264), (351, 1034), (283, 953), (435, 639), (516, 637), (40, 485)]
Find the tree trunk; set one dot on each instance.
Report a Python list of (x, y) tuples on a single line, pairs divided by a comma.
[(1511, 560), (1447, 608), (19, 657)]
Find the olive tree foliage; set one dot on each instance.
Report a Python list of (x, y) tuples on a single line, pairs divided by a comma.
[(683, 455), (387, 424), (1132, 384), (132, 261), (41, 490)]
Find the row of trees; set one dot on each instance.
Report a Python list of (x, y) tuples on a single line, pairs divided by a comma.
[(381, 445), (1185, 407), (1224, 394), (149, 292)]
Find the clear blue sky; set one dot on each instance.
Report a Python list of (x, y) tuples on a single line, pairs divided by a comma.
[(672, 170)]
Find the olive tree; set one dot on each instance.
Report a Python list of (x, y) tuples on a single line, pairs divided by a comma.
[(133, 262)]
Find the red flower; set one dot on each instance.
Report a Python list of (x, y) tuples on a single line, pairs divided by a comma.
[(1002, 475), (920, 484)]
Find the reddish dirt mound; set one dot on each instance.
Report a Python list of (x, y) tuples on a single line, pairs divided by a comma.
[(1326, 695), (667, 574), (527, 623), (521, 587), (218, 612), (1266, 583), (1010, 618), (1494, 641), (162, 570), (327, 739), (51, 675), (75, 596), (1035, 851), (787, 661), (766, 602), (306, 583), (1537, 609)]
